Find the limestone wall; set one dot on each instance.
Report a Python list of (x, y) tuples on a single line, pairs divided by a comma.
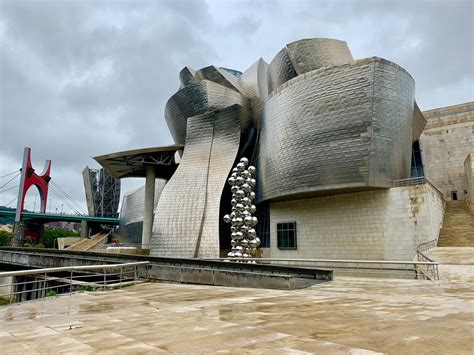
[(371, 225), (445, 143), (469, 171)]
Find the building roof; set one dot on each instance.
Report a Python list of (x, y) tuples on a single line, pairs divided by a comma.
[(132, 163)]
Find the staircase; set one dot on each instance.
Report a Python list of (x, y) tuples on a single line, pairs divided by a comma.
[(458, 226), (89, 243)]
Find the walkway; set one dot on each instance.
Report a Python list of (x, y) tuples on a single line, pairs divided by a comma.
[(349, 315)]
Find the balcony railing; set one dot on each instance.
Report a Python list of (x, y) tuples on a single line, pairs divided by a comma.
[(415, 181)]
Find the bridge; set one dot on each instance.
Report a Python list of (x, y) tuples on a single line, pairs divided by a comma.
[(50, 217), (32, 223)]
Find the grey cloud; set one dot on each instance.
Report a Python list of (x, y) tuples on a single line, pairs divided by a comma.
[(82, 78)]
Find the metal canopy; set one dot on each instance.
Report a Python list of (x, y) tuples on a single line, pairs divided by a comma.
[(133, 163)]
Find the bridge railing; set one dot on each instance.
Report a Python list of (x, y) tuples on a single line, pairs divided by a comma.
[(375, 268), (24, 285)]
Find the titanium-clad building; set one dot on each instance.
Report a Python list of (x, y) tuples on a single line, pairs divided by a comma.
[(317, 124)]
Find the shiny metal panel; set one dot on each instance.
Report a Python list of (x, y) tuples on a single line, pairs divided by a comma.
[(197, 99), (254, 85), (187, 76), (219, 76), (187, 216), (314, 53), (334, 128), (280, 70)]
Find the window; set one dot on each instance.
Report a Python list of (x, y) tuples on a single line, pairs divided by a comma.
[(454, 195), (286, 234)]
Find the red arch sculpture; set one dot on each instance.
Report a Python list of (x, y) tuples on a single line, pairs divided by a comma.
[(30, 178)]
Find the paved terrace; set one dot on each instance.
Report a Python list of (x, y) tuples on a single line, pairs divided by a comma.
[(348, 315)]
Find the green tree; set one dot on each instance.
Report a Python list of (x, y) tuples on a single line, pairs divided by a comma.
[(5, 238)]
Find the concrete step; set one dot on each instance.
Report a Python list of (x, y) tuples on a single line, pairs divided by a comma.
[(89, 243), (458, 226)]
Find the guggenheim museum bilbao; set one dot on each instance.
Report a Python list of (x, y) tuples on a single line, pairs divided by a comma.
[(336, 145)]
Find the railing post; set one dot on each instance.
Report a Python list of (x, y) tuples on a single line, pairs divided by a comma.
[(121, 270), (45, 286), (105, 279)]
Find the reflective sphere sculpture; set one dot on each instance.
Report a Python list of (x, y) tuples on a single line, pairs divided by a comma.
[(244, 239)]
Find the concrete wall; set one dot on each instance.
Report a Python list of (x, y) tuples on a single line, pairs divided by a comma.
[(445, 143), (469, 171), (372, 225)]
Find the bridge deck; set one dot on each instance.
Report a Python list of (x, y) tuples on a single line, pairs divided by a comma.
[(47, 217)]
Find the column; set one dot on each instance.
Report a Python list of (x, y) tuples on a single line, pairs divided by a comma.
[(149, 205)]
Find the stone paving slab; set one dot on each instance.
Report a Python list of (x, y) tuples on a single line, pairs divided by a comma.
[(346, 316)]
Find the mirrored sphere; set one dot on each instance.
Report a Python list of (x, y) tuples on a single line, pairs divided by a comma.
[(252, 233), (254, 221), (240, 167), (253, 209), (252, 170), (231, 181), (248, 220), (240, 193), (239, 180), (245, 174), (227, 218), (239, 221), (244, 161), (233, 230), (234, 189), (246, 187), (233, 202), (252, 195)]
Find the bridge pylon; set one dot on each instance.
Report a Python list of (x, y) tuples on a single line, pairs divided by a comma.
[(28, 179)]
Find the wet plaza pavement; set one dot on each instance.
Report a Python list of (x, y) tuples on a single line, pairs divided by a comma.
[(347, 316)]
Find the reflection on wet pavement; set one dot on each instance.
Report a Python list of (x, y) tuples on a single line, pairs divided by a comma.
[(349, 315)]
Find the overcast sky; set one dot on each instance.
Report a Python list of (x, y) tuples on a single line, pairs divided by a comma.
[(85, 78)]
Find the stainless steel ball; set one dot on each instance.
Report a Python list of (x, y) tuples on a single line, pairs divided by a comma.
[(252, 170), (234, 189), (252, 195), (231, 181), (240, 194), (254, 221), (240, 167), (227, 218), (246, 187), (244, 161), (248, 221), (253, 209), (252, 233), (239, 180)]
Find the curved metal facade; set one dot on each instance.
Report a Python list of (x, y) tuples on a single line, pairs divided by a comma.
[(131, 212), (337, 128), (326, 124), (188, 214)]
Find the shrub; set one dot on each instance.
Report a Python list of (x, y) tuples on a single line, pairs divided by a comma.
[(51, 293), (51, 234), (39, 246), (5, 238)]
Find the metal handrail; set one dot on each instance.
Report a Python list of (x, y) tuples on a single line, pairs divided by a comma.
[(431, 271), (42, 282), (415, 181), (326, 260), (70, 268), (368, 266)]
